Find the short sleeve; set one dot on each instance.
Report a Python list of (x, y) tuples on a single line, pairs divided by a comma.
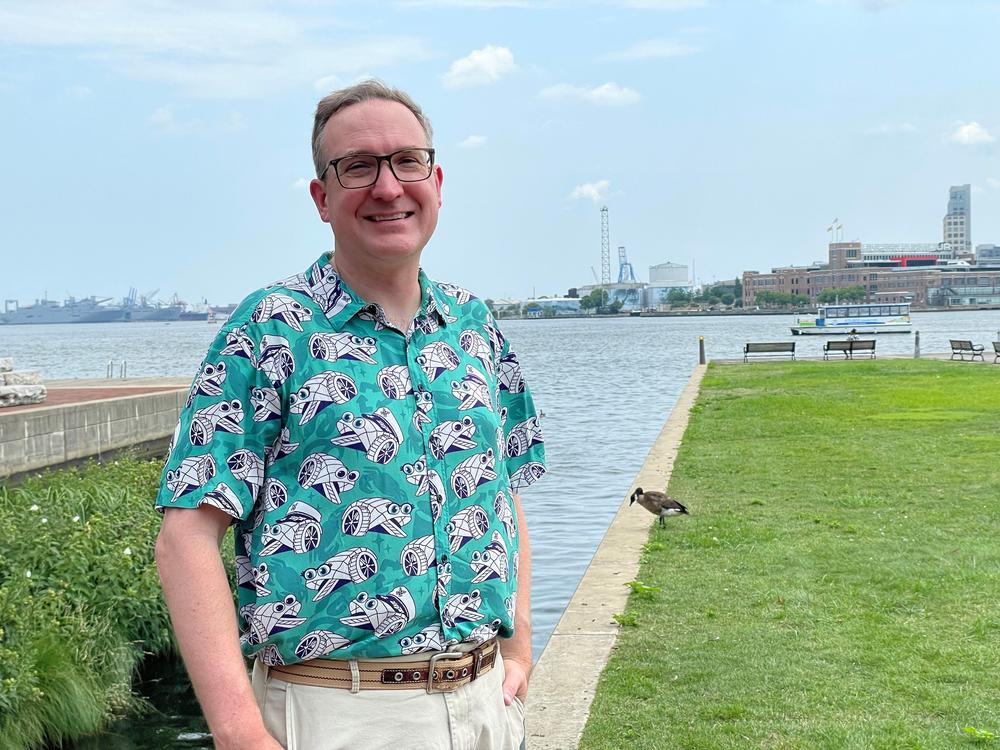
[(524, 449), (229, 423)]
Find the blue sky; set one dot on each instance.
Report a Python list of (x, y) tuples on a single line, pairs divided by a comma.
[(162, 144)]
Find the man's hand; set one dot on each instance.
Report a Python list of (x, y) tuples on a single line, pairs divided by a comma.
[(516, 680), (257, 740)]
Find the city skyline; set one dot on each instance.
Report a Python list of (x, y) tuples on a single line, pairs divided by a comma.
[(159, 145)]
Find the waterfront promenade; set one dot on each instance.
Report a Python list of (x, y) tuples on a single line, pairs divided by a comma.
[(565, 677), (88, 418)]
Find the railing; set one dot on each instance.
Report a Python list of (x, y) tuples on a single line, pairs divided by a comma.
[(122, 370)]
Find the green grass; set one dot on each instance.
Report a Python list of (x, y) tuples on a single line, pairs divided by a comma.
[(80, 601), (838, 582)]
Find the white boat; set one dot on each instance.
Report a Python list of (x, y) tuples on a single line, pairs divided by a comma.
[(855, 319)]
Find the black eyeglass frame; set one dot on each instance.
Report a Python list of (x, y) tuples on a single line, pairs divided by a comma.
[(387, 158)]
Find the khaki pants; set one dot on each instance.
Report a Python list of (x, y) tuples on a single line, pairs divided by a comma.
[(306, 717)]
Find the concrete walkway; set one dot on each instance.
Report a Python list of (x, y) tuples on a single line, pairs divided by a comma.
[(565, 678), (88, 418)]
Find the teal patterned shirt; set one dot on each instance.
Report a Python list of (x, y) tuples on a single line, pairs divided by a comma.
[(369, 474)]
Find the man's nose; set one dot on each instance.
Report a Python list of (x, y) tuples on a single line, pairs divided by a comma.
[(386, 186)]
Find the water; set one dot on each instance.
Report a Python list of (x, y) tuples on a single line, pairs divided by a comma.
[(605, 387)]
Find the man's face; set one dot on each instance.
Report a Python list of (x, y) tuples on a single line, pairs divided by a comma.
[(389, 221)]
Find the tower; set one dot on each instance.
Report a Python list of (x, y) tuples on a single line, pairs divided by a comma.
[(958, 220), (605, 248)]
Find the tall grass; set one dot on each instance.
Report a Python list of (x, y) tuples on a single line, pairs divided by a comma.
[(80, 601)]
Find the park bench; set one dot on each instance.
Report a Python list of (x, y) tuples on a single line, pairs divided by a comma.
[(962, 347), (847, 348), (996, 352), (766, 348)]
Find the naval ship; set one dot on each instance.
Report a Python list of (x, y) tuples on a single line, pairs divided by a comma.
[(92, 310), (88, 310)]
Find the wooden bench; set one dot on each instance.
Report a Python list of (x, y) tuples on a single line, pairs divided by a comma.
[(765, 348), (847, 348), (996, 351), (962, 347)]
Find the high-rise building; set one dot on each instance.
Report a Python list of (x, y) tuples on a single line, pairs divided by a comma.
[(958, 220)]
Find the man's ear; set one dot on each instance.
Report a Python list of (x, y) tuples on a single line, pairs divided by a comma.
[(318, 192)]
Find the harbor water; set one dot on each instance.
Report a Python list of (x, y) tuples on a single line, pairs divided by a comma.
[(605, 387)]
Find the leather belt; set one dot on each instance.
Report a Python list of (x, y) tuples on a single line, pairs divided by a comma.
[(443, 671)]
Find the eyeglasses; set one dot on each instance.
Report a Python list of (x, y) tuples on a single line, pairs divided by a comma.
[(362, 170)]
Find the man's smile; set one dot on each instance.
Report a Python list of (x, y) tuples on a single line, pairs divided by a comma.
[(390, 217)]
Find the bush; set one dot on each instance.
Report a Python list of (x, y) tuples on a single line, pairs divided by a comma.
[(80, 601)]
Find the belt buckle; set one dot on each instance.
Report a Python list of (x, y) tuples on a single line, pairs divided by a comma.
[(432, 665)]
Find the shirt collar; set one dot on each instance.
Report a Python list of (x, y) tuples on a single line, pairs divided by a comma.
[(340, 303)]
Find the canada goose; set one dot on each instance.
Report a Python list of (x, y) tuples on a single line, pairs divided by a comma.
[(658, 503)]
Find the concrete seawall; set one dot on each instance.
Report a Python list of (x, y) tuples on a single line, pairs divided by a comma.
[(87, 418), (565, 678)]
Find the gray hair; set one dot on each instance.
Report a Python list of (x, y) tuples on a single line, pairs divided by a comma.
[(366, 91)]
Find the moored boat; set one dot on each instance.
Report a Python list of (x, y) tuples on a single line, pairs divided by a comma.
[(855, 319)]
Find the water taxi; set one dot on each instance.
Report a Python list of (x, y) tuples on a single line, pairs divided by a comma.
[(858, 319)]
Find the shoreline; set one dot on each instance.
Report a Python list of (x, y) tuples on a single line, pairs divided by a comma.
[(559, 700)]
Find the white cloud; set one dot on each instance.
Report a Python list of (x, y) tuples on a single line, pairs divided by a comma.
[(326, 83), (301, 184), (206, 48), (651, 49), (480, 67), (607, 94), (663, 4), (164, 121), (473, 141), (993, 182), (879, 5), (80, 92), (892, 128), (473, 4), (970, 134), (594, 191)]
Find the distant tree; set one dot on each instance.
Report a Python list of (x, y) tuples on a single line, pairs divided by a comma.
[(596, 299), (854, 294), (728, 299), (548, 311), (489, 305), (843, 294), (616, 306), (678, 296), (781, 299)]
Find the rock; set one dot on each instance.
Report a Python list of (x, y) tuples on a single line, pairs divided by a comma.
[(19, 395), (20, 377), (6, 364)]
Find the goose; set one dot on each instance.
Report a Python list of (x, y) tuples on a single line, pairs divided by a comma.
[(658, 503)]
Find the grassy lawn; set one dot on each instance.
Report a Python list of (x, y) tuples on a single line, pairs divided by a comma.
[(838, 582)]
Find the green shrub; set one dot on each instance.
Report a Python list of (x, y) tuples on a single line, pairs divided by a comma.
[(80, 601)]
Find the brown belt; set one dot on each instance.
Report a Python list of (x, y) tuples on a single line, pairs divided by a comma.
[(442, 672)]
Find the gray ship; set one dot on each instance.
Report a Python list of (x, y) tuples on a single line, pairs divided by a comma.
[(88, 310)]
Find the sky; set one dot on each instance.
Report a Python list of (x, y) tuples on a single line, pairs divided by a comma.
[(165, 145)]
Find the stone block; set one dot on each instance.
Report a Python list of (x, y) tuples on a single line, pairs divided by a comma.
[(6, 364), (21, 377), (19, 395)]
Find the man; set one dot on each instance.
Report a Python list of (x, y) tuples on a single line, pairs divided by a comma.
[(366, 430)]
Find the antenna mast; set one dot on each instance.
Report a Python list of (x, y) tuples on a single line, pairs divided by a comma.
[(605, 248)]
